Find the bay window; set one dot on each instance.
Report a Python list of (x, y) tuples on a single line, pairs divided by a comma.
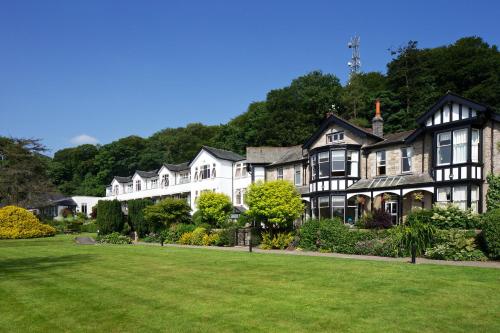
[(381, 163), (338, 206), (460, 146), (338, 163), (475, 146), (314, 167), (313, 208), (460, 197), (443, 196), (352, 163), (324, 207), (324, 164), (406, 154), (474, 198), (444, 148)]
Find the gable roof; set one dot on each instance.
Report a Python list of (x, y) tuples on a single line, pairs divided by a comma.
[(392, 138), (120, 179), (177, 167), (450, 97), (292, 154), (333, 119), (147, 174), (265, 155), (223, 154)]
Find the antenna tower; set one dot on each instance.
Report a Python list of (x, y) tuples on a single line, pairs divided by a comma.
[(355, 63)]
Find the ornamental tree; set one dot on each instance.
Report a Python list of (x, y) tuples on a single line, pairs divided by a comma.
[(167, 212), (109, 216), (214, 208), (276, 203)]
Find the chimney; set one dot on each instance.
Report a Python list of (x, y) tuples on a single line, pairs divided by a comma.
[(378, 121)]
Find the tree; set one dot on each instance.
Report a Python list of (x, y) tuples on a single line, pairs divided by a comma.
[(276, 203), (109, 216), (215, 208), (167, 212), (136, 215), (417, 235), (23, 173)]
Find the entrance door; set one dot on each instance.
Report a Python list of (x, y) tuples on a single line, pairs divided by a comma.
[(392, 208)]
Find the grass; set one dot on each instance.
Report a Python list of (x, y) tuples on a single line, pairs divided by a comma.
[(53, 285)]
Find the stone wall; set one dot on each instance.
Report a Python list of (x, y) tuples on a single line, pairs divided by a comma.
[(488, 143)]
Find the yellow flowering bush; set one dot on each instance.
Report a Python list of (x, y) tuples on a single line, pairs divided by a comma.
[(17, 222)]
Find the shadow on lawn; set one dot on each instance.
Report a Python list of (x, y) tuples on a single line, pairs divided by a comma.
[(20, 266)]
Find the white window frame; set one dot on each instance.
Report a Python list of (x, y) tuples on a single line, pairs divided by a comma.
[(327, 154), (297, 174), (342, 155), (335, 137), (446, 191), (279, 173), (381, 162), (408, 157), (439, 147), (475, 137), (354, 163)]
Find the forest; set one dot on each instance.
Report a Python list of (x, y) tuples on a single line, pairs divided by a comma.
[(414, 79)]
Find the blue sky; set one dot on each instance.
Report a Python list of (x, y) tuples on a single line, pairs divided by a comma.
[(95, 71)]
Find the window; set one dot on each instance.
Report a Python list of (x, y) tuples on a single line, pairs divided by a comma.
[(313, 208), (84, 208), (237, 173), (298, 175), (244, 171), (352, 163), (443, 196), (335, 137), (324, 164), (406, 154), (338, 163), (338, 206), (116, 189), (244, 195), (154, 183), (165, 180), (205, 171), (460, 196), (238, 197), (184, 178), (444, 148), (130, 188), (137, 185), (460, 146), (213, 170), (279, 173), (381, 163), (324, 207), (314, 167), (474, 198), (196, 174), (475, 146)]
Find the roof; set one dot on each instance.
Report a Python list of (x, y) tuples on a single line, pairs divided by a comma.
[(392, 138), (291, 154), (265, 155), (450, 97), (224, 154), (177, 167), (147, 174), (334, 119), (120, 179), (64, 202), (393, 181)]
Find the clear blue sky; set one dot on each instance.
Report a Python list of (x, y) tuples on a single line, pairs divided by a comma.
[(109, 69)]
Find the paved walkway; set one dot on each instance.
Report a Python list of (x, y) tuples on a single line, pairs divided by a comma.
[(486, 264), (85, 241)]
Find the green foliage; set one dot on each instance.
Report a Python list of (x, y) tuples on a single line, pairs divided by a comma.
[(455, 245), (493, 193), (227, 236), (114, 238), (416, 235), (17, 222), (176, 230), (167, 212), (334, 236), (308, 235), (451, 216), (275, 203), (279, 240), (90, 226), (491, 232), (109, 216), (214, 208), (136, 215)]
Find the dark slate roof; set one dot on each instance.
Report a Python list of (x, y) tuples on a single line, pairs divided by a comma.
[(265, 155), (177, 167), (224, 154), (120, 179), (390, 182), (147, 174), (392, 138), (290, 155), (239, 209)]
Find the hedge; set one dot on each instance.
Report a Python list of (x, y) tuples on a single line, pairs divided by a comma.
[(109, 217), (136, 215)]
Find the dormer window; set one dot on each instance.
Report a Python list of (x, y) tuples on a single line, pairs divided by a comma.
[(335, 137)]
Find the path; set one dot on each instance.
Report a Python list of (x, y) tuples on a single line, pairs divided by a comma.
[(85, 241), (485, 264)]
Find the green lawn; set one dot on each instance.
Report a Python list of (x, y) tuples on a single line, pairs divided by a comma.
[(52, 285)]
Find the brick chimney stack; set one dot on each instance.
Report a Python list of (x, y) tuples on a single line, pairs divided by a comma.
[(378, 121)]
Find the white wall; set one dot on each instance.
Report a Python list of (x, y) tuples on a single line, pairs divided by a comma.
[(90, 201)]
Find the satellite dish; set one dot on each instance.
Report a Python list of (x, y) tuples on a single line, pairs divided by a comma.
[(349, 45), (349, 64)]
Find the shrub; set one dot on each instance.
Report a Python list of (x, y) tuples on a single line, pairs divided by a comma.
[(185, 238), (493, 193), (109, 216), (416, 237), (308, 234), (380, 219), (334, 236), (278, 241), (361, 223), (212, 239), (89, 227), (214, 208), (455, 245), (67, 212), (491, 233), (17, 222), (167, 212), (136, 215), (114, 238), (227, 236), (452, 217), (151, 238), (175, 231)]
